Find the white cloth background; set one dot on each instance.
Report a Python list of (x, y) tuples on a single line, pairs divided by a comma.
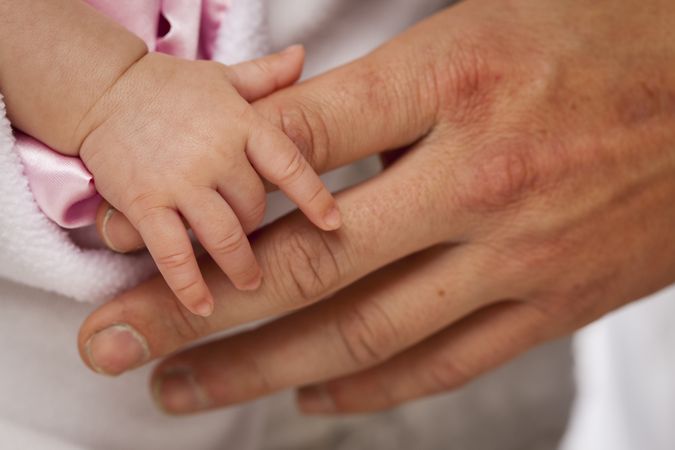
[(625, 371)]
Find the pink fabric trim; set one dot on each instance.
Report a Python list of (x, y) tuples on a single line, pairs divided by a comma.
[(62, 186)]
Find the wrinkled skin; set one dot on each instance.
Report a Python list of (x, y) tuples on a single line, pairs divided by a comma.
[(534, 194)]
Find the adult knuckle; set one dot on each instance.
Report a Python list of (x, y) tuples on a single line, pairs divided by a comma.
[(187, 326), (402, 93), (367, 334), (183, 324), (498, 178), (469, 72), (306, 265), (465, 79), (308, 131)]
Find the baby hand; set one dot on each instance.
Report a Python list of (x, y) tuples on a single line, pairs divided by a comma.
[(177, 140)]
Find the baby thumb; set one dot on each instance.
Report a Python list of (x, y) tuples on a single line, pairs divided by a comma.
[(261, 77)]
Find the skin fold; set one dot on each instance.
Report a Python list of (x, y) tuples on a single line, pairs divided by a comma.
[(534, 194)]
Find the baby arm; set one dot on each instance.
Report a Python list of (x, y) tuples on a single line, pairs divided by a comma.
[(57, 58), (175, 140), (167, 140)]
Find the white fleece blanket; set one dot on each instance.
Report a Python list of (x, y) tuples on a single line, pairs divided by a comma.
[(36, 252)]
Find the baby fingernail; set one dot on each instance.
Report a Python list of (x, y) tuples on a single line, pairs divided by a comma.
[(204, 309), (253, 285), (333, 219), (116, 349), (315, 400), (291, 49), (177, 391)]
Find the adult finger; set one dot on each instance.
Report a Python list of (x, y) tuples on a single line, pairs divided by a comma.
[(386, 100), (442, 363), (302, 264), (359, 327)]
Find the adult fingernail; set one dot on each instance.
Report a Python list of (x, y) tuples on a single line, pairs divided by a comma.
[(117, 233), (333, 219), (316, 400), (116, 349), (176, 391), (106, 229)]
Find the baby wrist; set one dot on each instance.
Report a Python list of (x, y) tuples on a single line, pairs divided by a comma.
[(53, 70), (99, 104)]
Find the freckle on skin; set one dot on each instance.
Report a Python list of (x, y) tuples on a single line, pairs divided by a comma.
[(441, 293)]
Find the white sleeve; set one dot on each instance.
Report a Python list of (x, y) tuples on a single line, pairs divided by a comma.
[(36, 252)]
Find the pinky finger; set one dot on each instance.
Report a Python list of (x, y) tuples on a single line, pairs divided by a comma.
[(279, 161), (167, 240), (443, 362)]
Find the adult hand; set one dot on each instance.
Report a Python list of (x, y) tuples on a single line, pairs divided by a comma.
[(535, 194)]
